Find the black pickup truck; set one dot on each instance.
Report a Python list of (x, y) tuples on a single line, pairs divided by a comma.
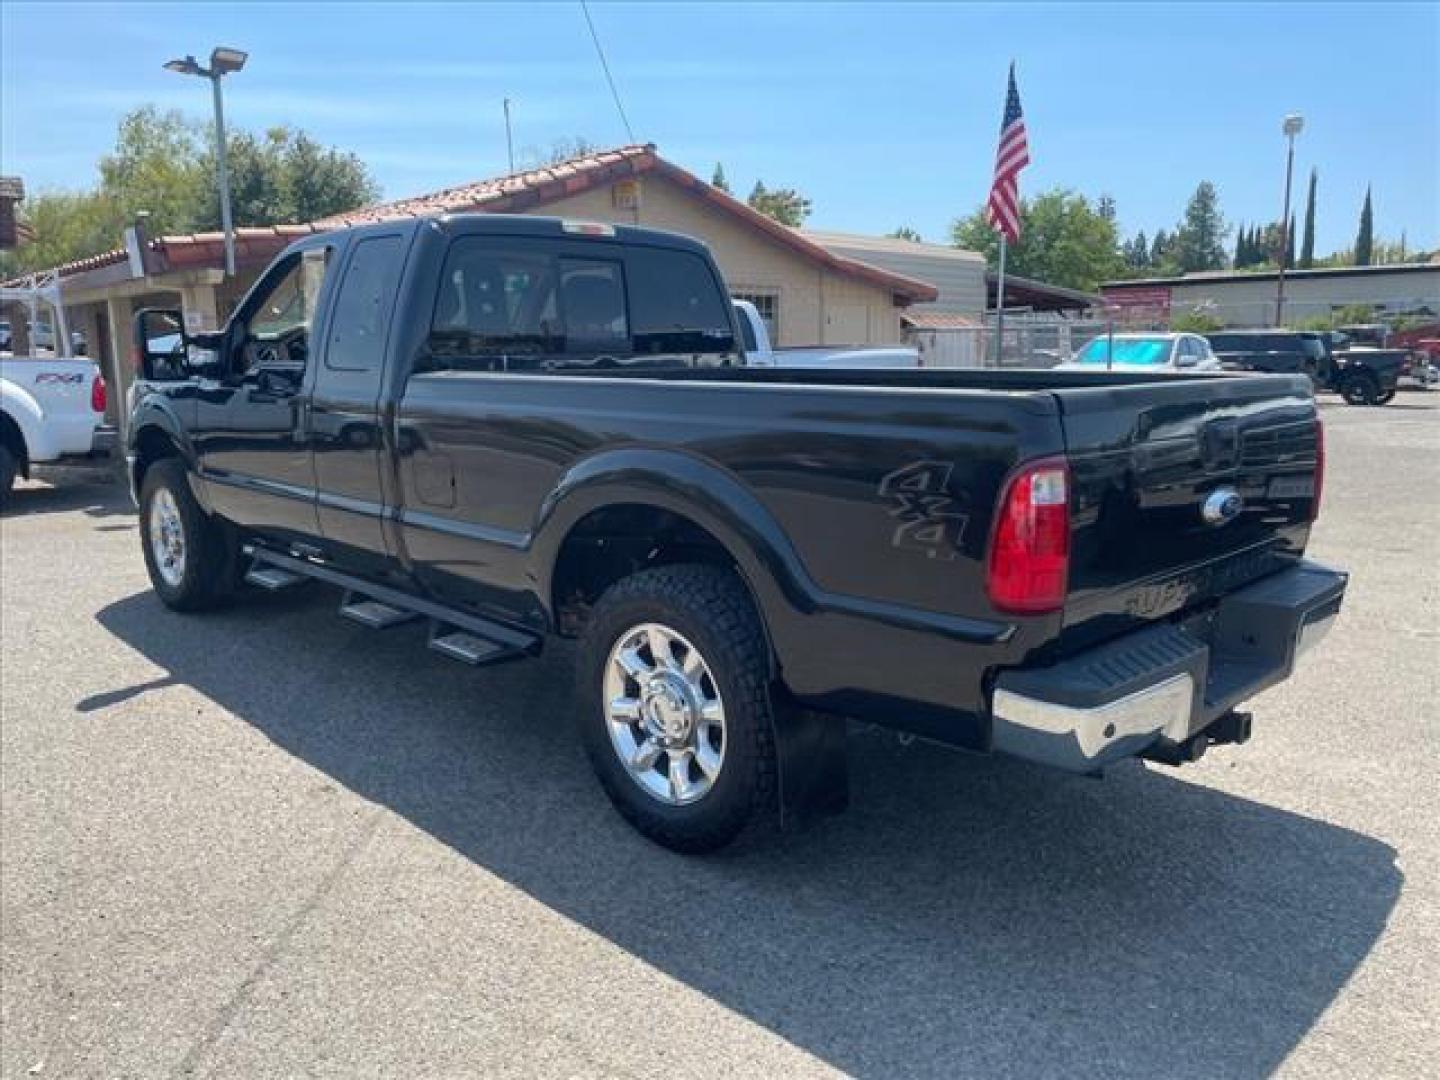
[(1362, 376), (516, 427)]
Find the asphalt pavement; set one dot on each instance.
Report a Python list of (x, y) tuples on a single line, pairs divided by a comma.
[(270, 842)]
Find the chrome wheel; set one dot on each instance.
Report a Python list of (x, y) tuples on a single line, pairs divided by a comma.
[(664, 714), (167, 537)]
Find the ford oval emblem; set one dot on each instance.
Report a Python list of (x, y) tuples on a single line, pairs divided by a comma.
[(1221, 505)]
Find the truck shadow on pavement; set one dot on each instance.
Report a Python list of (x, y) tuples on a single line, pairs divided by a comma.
[(95, 492), (966, 916)]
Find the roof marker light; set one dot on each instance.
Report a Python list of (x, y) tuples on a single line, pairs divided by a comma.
[(588, 228)]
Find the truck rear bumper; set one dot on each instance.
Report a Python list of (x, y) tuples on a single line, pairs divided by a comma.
[(1162, 687)]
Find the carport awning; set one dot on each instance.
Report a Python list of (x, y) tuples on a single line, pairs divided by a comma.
[(939, 320)]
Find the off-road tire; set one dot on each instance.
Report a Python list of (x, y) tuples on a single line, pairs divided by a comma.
[(711, 607), (1359, 389), (1385, 398), (212, 551)]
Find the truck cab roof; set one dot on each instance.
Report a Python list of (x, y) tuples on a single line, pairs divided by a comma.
[(527, 225)]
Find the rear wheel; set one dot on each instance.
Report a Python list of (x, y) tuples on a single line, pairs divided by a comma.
[(1359, 389), (193, 558), (676, 715)]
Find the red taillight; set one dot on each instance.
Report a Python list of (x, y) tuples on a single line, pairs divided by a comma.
[(1319, 468), (97, 394), (1030, 542)]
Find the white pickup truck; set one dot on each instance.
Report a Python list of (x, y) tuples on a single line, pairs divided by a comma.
[(760, 353), (51, 407)]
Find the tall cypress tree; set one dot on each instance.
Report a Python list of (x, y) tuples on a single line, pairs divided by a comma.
[(1239, 260), (1365, 238), (1290, 243), (1307, 246)]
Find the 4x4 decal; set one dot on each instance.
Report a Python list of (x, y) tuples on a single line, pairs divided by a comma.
[(929, 516)]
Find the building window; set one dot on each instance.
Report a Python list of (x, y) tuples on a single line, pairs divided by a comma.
[(767, 303)]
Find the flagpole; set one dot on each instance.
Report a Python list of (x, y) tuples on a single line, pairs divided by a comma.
[(1000, 302)]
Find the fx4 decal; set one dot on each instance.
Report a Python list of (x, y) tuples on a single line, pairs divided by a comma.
[(63, 378), (930, 517)]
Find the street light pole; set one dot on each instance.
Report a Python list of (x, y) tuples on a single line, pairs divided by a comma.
[(1292, 126), (223, 61), (221, 166)]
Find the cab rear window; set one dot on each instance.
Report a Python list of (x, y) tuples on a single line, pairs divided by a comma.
[(507, 306)]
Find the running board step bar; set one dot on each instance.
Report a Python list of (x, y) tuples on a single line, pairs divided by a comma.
[(468, 648), (456, 634), (272, 578), (373, 613)]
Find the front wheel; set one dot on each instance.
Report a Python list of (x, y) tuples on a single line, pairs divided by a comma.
[(675, 706), (191, 557)]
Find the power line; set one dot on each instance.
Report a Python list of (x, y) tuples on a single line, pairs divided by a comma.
[(630, 134)]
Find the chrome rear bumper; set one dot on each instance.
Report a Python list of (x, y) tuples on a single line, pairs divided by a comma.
[(1164, 685)]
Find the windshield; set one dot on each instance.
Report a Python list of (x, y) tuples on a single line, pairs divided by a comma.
[(1154, 350)]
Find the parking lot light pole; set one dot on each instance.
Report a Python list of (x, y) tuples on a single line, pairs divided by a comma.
[(223, 61), (1293, 125)]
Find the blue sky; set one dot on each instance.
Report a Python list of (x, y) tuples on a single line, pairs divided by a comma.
[(883, 115)]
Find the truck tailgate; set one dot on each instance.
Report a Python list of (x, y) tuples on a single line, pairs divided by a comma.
[(1183, 491)]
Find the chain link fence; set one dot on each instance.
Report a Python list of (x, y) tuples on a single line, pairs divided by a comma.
[(1028, 342)]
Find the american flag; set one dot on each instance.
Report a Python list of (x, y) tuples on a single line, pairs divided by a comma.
[(1003, 209)]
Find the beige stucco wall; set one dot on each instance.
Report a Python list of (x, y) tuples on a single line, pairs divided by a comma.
[(817, 306)]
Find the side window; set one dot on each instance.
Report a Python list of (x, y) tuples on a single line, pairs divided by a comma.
[(496, 308), (510, 305), (361, 319), (277, 333), (677, 304)]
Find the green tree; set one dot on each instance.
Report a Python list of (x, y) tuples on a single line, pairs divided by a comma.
[(1160, 248), (785, 205), (286, 176), (1137, 252), (1365, 237), (1105, 207), (1307, 244), (905, 232), (1241, 237), (1200, 239), (67, 225), (1063, 241), (158, 167), (717, 179), (1354, 314), (163, 165), (1290, 243), (1195, 322), (560, 150)]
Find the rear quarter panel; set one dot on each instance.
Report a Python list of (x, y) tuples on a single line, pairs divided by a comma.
[(881, 498), (49, 400)]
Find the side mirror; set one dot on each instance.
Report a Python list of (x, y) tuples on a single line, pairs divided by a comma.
[(160, 344)]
